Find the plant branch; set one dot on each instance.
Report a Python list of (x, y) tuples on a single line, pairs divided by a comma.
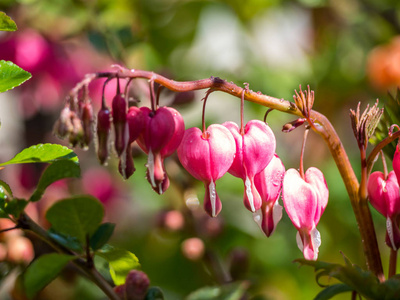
[(321, 125), (26, 223)]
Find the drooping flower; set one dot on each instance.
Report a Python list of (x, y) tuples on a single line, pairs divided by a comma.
[(119, 110), (255, 147), (384, 196), (396, 163), (305, 200), (207, 157), (103, 133), (162, 134), (269, 183)]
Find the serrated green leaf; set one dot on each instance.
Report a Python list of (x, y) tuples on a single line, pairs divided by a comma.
[(120, 262), (43, 153), (333, 290), (66, 241), (76, 217), (43, 270), (102, 235), (6, 23), (58, 170), (11, 76)]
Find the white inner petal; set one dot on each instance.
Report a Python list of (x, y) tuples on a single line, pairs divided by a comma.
[(247, 184), (299, 242), (389, 229), (257, 217), (213, 197), (277, 213), (150, 167)]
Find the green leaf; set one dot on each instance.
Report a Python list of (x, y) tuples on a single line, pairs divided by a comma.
[(42, 153), (58, 170), (232, 291), (120, 262), (5, 197), (43, 270), (333, 290), (6, 23), (67, 241), (76, 217), (11, 75), (15, 207), (102, 235)]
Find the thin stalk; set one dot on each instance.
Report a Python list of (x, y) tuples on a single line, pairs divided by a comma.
[(303, 146), (392, 262), (26, 223), (385, 169), (242, 113)]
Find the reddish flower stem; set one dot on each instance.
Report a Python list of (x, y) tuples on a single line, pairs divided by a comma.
[(392, 263), (321, 125), (303, 147)]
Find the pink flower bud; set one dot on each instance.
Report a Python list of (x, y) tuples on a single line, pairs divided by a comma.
[(305, 201), (87, 122), (396, 163), (103, 133), (119, 119), (161, 136), (207, 157), (254, 150), (126, 167), (385, 198), (269, 183)]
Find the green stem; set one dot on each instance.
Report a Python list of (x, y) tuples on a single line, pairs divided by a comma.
[(26, 223)]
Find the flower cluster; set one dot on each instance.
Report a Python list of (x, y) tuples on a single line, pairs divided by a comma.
[(245, 151)]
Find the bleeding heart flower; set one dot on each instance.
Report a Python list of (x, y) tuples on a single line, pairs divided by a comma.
[(161, 136), (207, 157), (119, 109), (269, 183), (396, 163), (255, 148), (384, 196), (305, 201)]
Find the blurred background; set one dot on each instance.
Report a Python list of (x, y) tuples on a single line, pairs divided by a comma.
[(347, 51)]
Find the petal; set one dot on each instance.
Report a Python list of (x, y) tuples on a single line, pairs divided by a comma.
[(300, 200), (314, 177), (376, 183), (308, 243), (212, 203)]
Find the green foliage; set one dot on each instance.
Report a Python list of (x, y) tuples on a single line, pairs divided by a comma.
[(58, 170), (120, 262), (233, 291), (6, 23), (42, 153), (11, 76), (102, 235), (69, 242), (353, 278), (78, 216), (42, 271)]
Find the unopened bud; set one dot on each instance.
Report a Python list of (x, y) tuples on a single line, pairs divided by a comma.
[(136, 285), (135, 119), (103, 133), (119, 120), (87, 122), (126, 166), (64, 126), (76, 136), (288, 127)]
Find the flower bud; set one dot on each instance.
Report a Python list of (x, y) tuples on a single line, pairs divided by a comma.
[(136, 285), (126, 166), (20, 249), (119, 119), (87, 123), (63, 127), (120, 291), (76, 136), (193, 248), (103, 133)]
